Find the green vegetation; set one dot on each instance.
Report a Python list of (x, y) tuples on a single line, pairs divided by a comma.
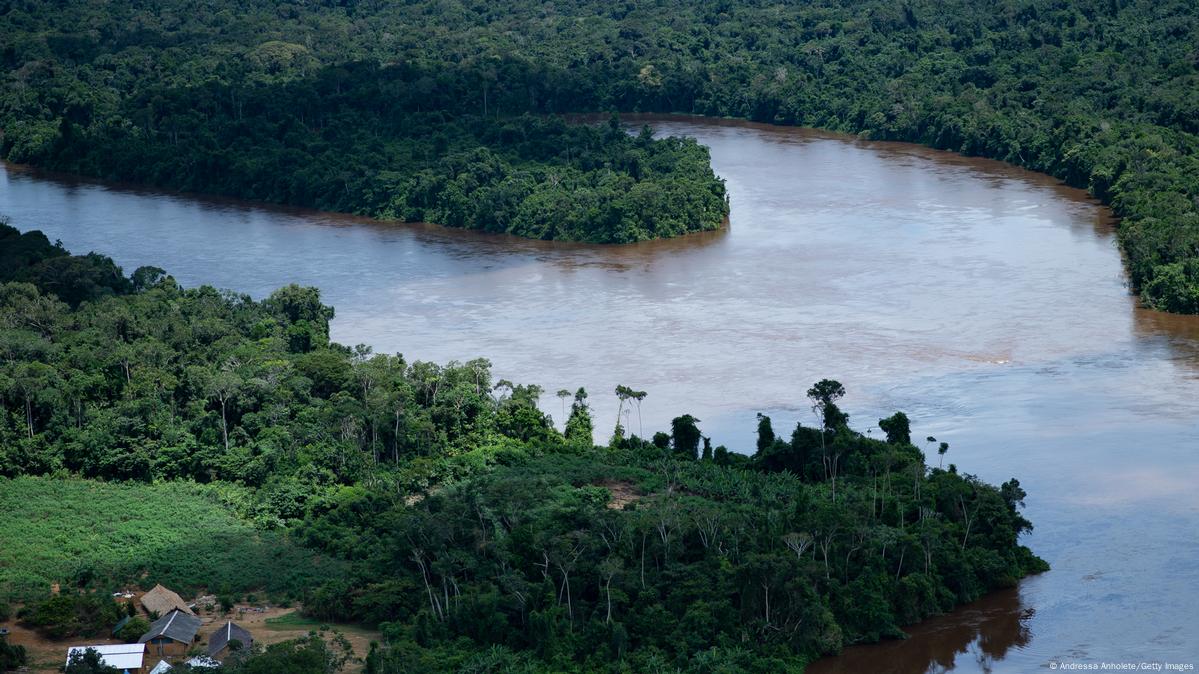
[(358, 137), (89, 534), (294, 620), (69, 615), (419, 109), (166, 383), (134, 629), (11, 657), (461, 521), (88, 662), (308, 655), (707, 560)]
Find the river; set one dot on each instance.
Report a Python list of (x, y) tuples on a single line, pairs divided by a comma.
[(987, 302)]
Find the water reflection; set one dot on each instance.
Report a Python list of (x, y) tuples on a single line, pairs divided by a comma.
[(76, 198), (975, 638), (987, 302), (1179, 334)]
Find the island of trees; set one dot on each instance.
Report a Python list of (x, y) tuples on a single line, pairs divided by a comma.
[(246, 452), (419, 110)]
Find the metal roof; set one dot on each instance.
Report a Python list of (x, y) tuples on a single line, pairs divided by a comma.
[(175, 625), (120, 656), (161, 668), (229, 632)]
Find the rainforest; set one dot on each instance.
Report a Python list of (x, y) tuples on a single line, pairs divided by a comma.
[(771, 215), (444, 507), (445, 111)]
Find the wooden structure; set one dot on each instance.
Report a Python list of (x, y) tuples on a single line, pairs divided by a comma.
[(162, 601), (218, 641), (171, 635)]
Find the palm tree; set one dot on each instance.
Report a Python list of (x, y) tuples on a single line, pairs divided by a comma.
[(563, 394)]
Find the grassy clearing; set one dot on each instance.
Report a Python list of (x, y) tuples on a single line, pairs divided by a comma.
[(181, 534), (294, 620)]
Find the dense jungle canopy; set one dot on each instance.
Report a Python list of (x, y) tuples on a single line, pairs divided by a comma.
[(435, 109), (225, 443)]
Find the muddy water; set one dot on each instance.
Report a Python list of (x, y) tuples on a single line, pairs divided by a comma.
[(987, 302)]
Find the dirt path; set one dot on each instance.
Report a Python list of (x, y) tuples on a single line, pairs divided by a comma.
[(273, 625), (268, 625), (45, 655)]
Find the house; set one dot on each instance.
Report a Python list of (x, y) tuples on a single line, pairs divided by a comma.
[(171, 635), (162, 601), (218, 641), (125, 658)]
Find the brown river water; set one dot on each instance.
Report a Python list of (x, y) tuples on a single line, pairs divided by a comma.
[(987, 302)]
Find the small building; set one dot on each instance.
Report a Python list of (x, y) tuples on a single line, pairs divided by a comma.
[(171, 635), (161, 601), (218, 641), (125, 658), (162, 667)]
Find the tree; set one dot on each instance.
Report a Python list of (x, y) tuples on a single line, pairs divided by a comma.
[(88, 662), (685, 436), (623, 394), (638, 397), (563, 394), (34, 384), (765, 433), (81, 278), (134, 629), (578, 426), (307, 655), (11, 657), (305, 318), (70, 614), (224, 386), (498, 535), (824, 395), (146, 277), (898, 429)]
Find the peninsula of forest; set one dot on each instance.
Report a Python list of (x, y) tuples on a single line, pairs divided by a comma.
[(198, 438), (447, 111)]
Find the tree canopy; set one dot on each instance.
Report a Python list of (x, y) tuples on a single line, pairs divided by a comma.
[(464, 524), (421, 110)]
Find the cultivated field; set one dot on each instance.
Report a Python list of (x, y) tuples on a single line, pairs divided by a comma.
[(102, 536)]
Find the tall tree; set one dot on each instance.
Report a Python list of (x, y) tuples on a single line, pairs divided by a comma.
[(578, 426), (765, 433), (685, 436)]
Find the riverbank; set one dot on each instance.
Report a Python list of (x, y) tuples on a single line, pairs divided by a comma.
[(934, 270)]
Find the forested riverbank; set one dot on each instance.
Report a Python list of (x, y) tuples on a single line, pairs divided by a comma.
[(451, 511), (415, 111)]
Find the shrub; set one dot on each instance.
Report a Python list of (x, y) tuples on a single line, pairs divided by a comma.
[(134, 629)]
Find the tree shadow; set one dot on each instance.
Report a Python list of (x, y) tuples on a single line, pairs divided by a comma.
[(979, 634)]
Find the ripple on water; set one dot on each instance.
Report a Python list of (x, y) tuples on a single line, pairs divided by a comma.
[(987, 302)]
